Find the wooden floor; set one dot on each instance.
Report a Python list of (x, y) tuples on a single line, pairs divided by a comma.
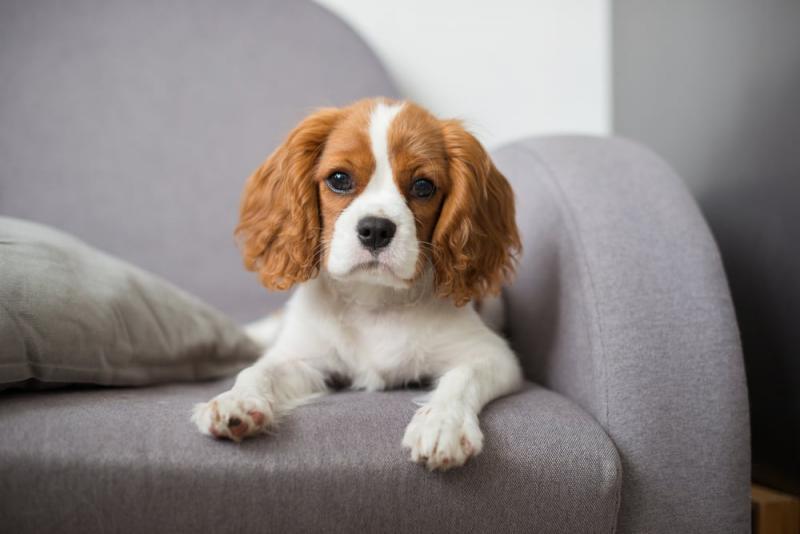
[(774, 512)]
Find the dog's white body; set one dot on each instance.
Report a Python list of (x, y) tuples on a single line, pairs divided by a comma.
[(378, 330)]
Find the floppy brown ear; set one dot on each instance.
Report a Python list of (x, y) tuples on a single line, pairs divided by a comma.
[(475, 241), (279, 223)]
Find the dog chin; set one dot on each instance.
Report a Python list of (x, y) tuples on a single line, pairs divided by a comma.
[(373, 272)]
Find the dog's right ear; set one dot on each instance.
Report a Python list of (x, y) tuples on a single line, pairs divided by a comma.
[(476, 241), (279, 223)]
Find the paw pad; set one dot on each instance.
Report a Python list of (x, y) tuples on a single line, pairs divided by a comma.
[(257, 417), (232, 415)]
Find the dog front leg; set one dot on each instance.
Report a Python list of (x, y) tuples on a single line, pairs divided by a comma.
[(261, 394), (445, 432)]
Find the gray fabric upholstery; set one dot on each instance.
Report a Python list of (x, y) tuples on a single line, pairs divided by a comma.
[(70, 313), (129, 460), (621, 304), (134, 125)]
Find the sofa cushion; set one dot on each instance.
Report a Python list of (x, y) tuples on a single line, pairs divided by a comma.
[(129, 460), (70, 313)]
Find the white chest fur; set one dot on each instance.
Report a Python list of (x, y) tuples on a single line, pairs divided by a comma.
[(383, 340), (381, 349)]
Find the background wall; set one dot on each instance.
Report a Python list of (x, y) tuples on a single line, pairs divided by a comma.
[(509, 68), (714, 87)]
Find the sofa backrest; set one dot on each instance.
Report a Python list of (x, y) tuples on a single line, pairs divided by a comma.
[(134, 125)]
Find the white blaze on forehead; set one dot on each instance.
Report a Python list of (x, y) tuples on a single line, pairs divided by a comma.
[(381, 183)]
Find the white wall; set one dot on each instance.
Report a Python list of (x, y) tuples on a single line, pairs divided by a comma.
[(509, 68)]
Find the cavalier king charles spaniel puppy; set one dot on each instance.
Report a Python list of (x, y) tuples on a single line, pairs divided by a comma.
[(390, 222)]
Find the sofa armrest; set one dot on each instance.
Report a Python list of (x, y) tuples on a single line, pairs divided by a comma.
[(621, 304)]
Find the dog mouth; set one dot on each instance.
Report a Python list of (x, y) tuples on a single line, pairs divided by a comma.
[(373, 272), (373, 266)]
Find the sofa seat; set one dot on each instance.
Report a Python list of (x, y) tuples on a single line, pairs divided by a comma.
[(129, 460)]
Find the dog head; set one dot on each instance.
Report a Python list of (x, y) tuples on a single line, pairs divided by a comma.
[(375, 193)]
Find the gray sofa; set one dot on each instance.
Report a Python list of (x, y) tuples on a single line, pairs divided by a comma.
[(134, 124)]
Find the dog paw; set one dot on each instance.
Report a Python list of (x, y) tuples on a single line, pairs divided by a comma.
[(233, 415), (443, 437)]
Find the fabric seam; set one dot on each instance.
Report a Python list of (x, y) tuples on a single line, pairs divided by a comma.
[(576, 239), (578, 245)]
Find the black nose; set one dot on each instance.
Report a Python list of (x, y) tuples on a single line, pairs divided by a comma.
[(375, 232)]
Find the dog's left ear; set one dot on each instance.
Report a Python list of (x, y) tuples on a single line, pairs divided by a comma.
[(475, 242), (279, 222)]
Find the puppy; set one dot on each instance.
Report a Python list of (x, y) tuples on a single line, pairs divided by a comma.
[(389, 222)]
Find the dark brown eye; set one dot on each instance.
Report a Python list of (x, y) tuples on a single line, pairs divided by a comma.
[(340, 182), (423, 188)]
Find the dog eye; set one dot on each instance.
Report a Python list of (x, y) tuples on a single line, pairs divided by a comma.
[(423, 188), (340, 182)]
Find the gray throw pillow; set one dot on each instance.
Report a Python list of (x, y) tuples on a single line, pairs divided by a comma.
[(72, 314)]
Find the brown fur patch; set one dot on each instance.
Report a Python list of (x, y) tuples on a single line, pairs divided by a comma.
[(416, 150), (475, 242), (279, 222), (346, 150)]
